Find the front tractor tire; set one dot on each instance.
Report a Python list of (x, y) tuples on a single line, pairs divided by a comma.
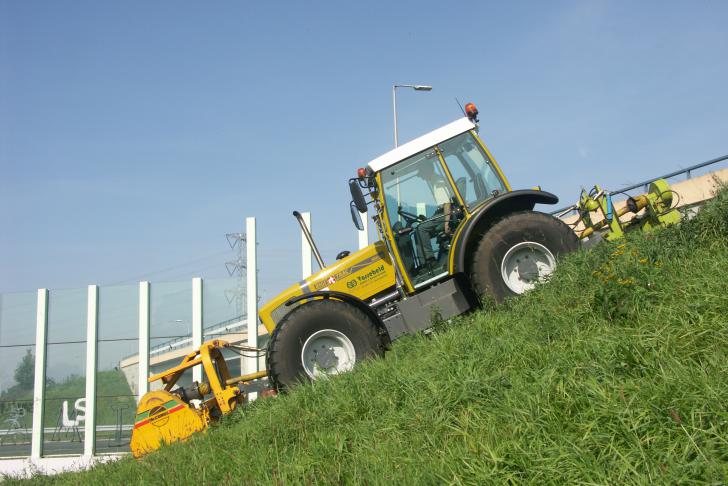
[(517, 252), (318, 339)]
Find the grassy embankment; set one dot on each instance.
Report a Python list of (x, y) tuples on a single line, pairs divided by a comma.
[(616, 372)]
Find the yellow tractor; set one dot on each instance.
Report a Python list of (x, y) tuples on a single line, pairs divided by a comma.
[(451, 230)]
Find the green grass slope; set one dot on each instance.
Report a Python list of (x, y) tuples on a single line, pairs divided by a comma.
[(616, 372)]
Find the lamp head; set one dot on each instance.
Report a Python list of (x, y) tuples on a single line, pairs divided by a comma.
[(472, 112)]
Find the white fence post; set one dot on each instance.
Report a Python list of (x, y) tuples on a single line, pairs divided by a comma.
[(251, 261), (144, 313), (306, 250), (41, 331), (364, 234), (92, 325), (197, 324)]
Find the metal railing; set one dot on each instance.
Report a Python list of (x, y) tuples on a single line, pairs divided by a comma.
[(645, 184)]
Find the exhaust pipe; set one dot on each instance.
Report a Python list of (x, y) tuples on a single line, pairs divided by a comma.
[(308, 236)]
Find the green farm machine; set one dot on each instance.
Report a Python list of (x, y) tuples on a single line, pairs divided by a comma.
[(598, 216)]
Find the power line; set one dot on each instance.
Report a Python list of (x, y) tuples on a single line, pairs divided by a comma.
[(167, 269)]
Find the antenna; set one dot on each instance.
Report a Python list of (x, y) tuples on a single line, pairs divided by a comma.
[(460, 105)]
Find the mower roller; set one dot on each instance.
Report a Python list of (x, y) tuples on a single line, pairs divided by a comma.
[(172, 414)]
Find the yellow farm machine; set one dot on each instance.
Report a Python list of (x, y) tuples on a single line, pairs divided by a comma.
[(175, 413), (451, 230)]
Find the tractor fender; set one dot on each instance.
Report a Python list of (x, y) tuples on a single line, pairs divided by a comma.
[(490, 212), (349, 299)]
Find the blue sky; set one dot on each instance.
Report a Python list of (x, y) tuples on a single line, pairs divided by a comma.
[(134, 135)]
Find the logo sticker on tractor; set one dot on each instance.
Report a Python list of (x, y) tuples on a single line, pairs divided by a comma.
[(319, 285)]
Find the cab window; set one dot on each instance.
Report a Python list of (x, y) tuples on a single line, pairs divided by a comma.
[(474, 174)]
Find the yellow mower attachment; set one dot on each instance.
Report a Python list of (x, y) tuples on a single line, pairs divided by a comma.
[(657, 204), (168, 415)]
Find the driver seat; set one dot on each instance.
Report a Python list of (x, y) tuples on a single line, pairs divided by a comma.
[(404, 246)]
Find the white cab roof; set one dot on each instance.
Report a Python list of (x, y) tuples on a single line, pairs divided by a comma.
[(422, 143)]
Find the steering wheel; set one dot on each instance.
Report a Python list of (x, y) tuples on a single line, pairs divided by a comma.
[(409, 217)]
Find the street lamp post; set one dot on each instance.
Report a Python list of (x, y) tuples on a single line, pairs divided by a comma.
[(416, 87)]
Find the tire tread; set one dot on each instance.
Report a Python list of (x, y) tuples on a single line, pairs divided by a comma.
[(481, 261)]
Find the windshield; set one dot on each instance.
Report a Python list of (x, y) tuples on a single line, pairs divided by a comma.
[(474, 174)]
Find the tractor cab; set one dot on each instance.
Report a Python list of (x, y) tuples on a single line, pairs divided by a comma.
[(424, 191), (451, 230)]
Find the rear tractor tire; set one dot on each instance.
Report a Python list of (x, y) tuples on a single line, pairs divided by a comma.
[(319, 339), (517, 252)]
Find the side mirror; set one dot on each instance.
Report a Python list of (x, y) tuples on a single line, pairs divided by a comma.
[(357, 196), (356, 217)]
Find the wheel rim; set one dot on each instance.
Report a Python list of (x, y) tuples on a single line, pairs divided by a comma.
[(525, 264), (327, 352)]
